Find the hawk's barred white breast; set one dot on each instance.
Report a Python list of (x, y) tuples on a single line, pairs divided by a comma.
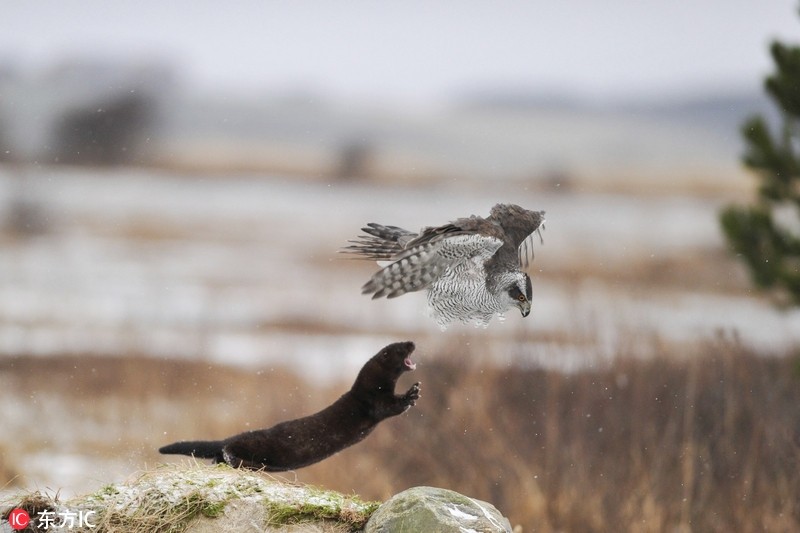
[(471, 267)]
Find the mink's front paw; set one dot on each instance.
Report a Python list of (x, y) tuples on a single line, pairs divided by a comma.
[(412, 395)]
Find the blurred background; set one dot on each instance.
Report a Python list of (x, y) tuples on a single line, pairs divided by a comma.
[(176, 179)]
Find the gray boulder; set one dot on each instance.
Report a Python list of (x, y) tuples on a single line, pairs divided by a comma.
[(428, 509)]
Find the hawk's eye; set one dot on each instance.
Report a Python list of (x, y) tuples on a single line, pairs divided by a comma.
[(521, 297)]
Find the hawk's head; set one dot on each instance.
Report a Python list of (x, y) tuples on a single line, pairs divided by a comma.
[(519, 292)]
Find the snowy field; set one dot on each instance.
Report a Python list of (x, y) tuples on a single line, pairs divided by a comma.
[(246, 271)]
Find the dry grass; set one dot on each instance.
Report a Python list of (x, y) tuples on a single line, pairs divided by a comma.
[(192, 498), (704, 440), (9, 476), (709, 271)]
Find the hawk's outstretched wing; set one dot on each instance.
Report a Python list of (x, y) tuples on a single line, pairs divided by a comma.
[(419, 259), (470, 267)]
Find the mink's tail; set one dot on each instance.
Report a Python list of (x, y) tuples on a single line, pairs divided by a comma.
[(205, 449)]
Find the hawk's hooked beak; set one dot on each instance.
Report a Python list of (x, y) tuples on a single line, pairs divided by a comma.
[(525, 308)]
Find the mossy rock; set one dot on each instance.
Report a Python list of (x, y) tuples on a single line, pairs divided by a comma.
[(201, 499)]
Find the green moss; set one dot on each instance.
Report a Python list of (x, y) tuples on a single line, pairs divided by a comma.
[(214, 510), (109, 490), (322, 505)]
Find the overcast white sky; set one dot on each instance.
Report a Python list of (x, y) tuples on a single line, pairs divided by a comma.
[(417, 51)]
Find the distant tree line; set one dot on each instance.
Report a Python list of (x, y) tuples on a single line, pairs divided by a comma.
[(111, 133), (83, 112)]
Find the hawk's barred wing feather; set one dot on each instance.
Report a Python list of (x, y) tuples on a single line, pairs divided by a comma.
[(380, 242), (418, 267)]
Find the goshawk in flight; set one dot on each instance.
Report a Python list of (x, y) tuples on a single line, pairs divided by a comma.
[(471, 267)]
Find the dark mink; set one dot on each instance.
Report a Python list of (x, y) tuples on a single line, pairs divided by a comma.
[(297, 443)]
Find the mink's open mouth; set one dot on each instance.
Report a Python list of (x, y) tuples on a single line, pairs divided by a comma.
[(410, 365)]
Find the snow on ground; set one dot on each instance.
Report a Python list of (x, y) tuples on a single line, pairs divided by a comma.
[(245, 270)]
